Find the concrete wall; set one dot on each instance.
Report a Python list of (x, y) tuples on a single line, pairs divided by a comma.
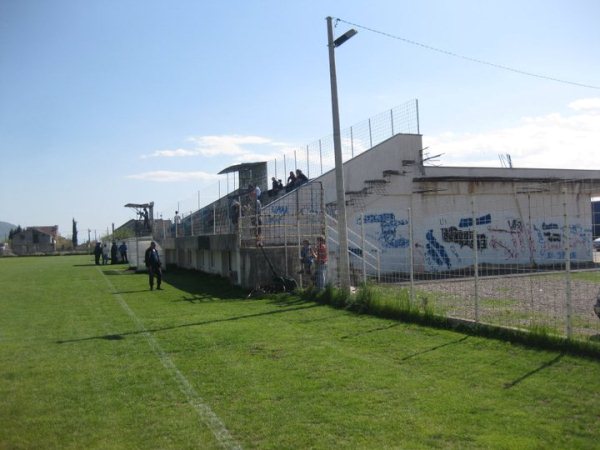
[(518, 216), (136, 250)]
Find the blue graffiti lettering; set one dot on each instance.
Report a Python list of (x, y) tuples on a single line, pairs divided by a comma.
[(468, 222), (436, 251)]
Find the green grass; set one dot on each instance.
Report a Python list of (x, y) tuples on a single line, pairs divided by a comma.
[(89, 358)]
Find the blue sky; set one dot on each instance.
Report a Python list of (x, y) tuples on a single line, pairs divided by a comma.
[(108, 102)]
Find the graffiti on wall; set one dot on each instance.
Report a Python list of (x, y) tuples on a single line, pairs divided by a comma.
[(388, 234), (447, 242), (276, 215), (436, 252), (463, 238)]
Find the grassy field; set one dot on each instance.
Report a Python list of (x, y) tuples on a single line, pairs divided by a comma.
[(90, 358)]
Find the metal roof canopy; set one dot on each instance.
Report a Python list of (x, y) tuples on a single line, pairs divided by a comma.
[(139, 205), (241, 167)]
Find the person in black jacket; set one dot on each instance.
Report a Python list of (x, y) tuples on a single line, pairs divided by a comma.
[(152, 260), (97, 253)]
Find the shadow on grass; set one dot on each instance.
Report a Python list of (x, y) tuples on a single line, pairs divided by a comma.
[(116, 337), (437, 347), (372, 330), (202, 286), (534, 371)]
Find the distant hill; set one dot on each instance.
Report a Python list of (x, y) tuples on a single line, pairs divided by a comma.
[(5, 228)]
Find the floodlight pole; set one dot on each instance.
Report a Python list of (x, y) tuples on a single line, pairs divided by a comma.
[(344, 260)]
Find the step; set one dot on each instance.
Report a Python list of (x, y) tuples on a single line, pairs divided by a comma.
[(375, 182)]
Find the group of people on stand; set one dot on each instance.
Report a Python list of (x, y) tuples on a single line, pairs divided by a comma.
[(294, 180), (102, 252)]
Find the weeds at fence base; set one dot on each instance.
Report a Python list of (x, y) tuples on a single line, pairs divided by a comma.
[(371, 300)]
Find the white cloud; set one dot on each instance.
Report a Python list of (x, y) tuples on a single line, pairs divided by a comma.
[(591, 104), (166, 176), (550, 141), (211, 146)]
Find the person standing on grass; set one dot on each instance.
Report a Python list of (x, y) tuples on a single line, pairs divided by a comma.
[(97, 253), (320, 255), (113, 253), (123, 251), (152, 260), (105, 256)]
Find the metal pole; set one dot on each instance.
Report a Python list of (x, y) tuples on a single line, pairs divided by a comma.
[(370, 135), (392, 120), (321, 156), (417, 108), (344, 262), (352, 141), (362, 244), (411, 255), (295, 161), (307, 164), (567, 250), (475, 261), (298, 231)]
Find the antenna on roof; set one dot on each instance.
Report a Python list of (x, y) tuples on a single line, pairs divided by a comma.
[(506, 160)]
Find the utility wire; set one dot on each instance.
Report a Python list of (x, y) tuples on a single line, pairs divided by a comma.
[(456, 55)]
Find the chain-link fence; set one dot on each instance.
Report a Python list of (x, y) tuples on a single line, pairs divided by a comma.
[(524, 259), (318, 157)]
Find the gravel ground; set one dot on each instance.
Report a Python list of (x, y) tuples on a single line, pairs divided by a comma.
[(519, 301)]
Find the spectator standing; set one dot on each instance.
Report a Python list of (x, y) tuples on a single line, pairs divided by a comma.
[(306, 257), (154, 265), (123, 251), (97, 253), (105, 256), (320, 256), (113, 253)]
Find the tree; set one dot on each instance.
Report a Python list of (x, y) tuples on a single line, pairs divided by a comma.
[(13, 232), (74, 239)]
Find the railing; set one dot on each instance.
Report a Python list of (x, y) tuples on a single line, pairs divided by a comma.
[(362, 252), (313, 159)]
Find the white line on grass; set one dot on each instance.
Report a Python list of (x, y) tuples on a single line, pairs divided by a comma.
[(207, 415)]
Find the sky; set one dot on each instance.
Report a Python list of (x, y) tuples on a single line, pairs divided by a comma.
[(104, 103)]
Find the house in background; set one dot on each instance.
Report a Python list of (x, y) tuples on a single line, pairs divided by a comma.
[(34, 240)]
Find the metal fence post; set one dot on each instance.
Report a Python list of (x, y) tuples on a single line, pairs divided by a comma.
[(392, 120), (417, 109), (475, 260), (567, 250), (362, 244), (298, 225), (352, 141), (411, 256), (321, 157), (370, 135), (307, 163)]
